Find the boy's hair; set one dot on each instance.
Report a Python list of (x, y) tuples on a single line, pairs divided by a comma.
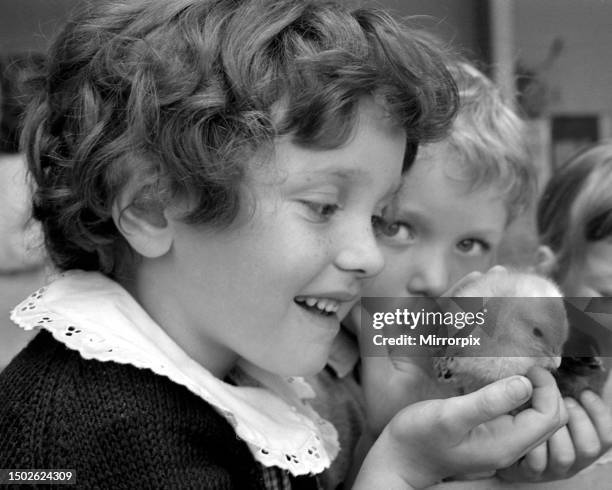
[(176, 95), (489, 139), (576, 205), (15, 72)]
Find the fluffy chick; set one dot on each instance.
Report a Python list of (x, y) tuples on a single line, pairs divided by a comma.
[(519, 334)]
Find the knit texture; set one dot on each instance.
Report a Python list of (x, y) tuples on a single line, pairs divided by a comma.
[(118, 426)]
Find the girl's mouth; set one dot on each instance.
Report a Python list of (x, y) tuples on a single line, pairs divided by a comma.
[(321, 306)]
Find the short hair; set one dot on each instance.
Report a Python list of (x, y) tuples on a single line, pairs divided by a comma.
[(489, 139), (576, 205), (16, 70), (178, 94)]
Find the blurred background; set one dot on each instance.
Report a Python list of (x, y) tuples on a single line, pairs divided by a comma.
[(557, 52)]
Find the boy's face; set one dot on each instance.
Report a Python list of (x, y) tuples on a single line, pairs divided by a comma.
[(441, 229), (271, 288)]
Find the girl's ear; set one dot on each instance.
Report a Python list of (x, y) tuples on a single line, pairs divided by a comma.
[(546, 260), (145, 225)]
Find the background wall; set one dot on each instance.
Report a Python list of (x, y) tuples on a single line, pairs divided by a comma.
[(582, 74), (462, 22), (26, 25)]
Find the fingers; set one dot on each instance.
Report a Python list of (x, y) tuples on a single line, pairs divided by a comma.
[(536, 460), (584, 434), (546, 400), (547, 414), (600, 415), (549, 460), (489, 402), (572, 447), (561, 453)]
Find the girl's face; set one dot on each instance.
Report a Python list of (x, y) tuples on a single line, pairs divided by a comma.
[(273, 287), (593, 275), (441, 229)]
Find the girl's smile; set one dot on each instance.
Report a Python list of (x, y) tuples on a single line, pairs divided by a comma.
[(273, 287)]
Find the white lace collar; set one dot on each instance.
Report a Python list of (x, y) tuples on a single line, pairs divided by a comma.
[(94, 315)]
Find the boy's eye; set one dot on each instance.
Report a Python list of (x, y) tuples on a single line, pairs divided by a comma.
[(379, 225), (473, 246), (393, 231), (321, 212)]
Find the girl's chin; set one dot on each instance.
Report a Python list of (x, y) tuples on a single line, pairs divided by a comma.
[(312, 367)]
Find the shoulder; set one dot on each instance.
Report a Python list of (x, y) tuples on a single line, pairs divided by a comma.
[(114, 423)]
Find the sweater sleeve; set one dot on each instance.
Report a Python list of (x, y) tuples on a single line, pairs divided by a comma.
[(116, 425), (123, 455)]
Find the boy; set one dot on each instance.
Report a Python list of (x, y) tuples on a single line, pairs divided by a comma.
[(448, 220)]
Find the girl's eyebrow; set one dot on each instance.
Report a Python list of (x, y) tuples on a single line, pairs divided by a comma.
[(348, 175), (484, 231), (340, 174)]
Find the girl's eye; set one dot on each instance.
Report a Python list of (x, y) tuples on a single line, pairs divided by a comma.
[(321, 212), (473, 246)]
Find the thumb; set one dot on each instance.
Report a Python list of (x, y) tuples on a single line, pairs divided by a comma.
[(490, 402)]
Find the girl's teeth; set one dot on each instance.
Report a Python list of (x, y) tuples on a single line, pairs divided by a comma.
[(324, 305)]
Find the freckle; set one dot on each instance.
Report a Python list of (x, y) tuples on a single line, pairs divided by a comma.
[(324, 242)]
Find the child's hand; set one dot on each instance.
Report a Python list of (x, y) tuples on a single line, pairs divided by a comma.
[(436, 439), (391, 383), (586, 437)]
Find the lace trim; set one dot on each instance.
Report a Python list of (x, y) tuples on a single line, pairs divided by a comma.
[(278, 426)]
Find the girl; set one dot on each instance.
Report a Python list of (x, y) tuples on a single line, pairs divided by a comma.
[(209, 178), (575, 229), (575, 223), (574, 220)]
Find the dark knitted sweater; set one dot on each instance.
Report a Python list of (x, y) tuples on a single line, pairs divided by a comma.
[(118, 426)]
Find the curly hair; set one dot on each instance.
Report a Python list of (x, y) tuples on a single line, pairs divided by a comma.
[(576, 205), (176, 95), (489, 139)]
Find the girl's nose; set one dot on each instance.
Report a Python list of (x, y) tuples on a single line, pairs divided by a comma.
[(360, 253)]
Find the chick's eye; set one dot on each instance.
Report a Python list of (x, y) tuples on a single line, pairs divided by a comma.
[(537, 332), (473, 246)]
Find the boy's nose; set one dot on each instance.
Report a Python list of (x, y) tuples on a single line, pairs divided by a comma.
[(360, 253), (429, 277)]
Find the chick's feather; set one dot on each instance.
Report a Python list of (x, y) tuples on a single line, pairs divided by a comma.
[(517, 334)]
